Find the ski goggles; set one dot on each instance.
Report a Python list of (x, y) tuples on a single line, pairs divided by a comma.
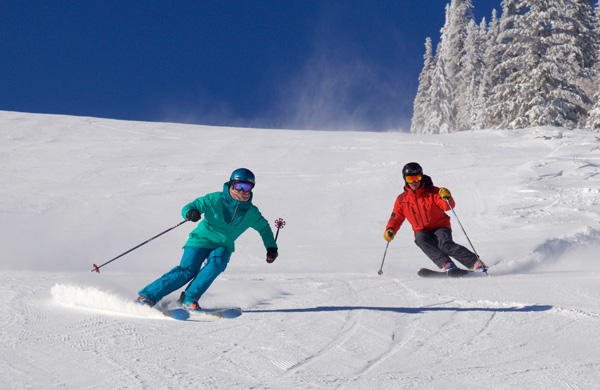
[(242, 186), (413, 179)]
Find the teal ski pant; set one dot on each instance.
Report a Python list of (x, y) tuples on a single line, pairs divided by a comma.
[(190, 270)]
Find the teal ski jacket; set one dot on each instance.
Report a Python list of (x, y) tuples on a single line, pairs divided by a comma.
[(224, 219)]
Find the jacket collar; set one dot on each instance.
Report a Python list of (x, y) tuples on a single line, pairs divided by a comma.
[(230, 200), (426, 183)]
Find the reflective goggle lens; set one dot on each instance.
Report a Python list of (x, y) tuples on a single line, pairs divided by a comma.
[(413, 179), (242, 186)]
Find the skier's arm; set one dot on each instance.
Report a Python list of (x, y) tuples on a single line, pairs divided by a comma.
[(397, 217), (440, 200), (198, 204), (264, 229)]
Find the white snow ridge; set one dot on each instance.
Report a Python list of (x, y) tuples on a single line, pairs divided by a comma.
[(95, 299)]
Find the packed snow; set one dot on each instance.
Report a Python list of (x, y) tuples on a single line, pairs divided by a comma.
[(79, 191)]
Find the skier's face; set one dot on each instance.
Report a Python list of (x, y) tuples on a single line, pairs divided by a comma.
[(239, 194), (414, 185)]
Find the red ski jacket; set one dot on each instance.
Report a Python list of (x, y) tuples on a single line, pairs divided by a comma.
[(424, 208)]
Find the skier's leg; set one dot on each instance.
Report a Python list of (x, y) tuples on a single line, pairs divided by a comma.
[(428, 243), (450, 248), (177, 277), (215, 264)]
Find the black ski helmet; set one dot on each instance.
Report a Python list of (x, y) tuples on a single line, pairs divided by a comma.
[(412, 168)]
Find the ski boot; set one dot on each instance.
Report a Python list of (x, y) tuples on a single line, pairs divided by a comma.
[(480, 266), (449, 265), (190, 303), (144, 301)]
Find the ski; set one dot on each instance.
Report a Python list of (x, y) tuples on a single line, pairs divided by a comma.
[(227, 313), (429, 273), (183, 314), (177, 314), (453, 273)]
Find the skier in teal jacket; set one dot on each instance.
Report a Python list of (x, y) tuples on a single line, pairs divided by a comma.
[(227, 215)]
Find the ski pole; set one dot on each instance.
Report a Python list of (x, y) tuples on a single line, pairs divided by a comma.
[(463, 229), (97, 267), (279, 224), (380, 272)]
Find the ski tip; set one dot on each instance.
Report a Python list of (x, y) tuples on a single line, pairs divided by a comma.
[(223, 313), (177, 314), (429, 273), (218, 313)]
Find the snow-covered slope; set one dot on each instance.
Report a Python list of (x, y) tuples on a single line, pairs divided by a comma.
[(78, 191)]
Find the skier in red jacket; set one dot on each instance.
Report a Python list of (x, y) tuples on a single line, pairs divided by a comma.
[(424, 206)]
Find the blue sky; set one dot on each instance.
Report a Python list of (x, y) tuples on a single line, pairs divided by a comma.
[(272, 64)]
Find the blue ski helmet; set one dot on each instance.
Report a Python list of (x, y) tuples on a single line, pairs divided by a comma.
[(243, 174)]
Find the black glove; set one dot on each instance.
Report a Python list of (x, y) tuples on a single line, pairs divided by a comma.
[(271, 254), (193, 215)]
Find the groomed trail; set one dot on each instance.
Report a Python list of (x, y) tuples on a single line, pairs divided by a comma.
[(351, 331)]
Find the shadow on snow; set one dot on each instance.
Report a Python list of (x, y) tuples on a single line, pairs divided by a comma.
[(408, 310)]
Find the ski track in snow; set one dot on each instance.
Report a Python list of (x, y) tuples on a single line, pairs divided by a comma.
[(437, 316), (85, 189)]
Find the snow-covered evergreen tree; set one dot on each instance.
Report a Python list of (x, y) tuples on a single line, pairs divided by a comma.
[(471, 76), (572, 49), (438, 108), (593, 121), (501, 63), (452, 41), (423, 93), (576, 26), (536, 65), (491, 59), (540, 85), (445, 76)]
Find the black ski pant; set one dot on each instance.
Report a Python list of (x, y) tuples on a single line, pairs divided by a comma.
[(439, 247)]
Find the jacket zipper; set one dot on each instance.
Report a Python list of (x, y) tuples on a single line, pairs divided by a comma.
[(234, 213), (419, 209)]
